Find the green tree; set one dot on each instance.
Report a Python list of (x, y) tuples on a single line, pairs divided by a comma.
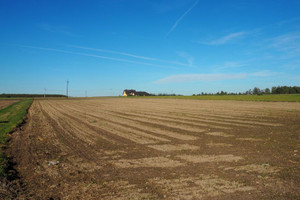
[(256, 90), (274, 90)]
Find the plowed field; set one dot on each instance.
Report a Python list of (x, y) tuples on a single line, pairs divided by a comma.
[(131, 148), (5, 103)]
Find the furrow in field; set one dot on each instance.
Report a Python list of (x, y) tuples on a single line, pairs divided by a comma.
[(220, 134), (121, 126), (147, 162), (71, 126), (175, 122), (134, 131), (234, 122), (121, 131), (82, 119), (250, 139), (137, 125), (192, 120), (172, 134), (127, 105), (219, 145), (66, 136), (210, 158), (82, 132), (164, 124), (147, 131), (256, 168), (198, 187), (203, 117), (86, 133), (173, 147), (224, 113), (130, 136), (228, 115)]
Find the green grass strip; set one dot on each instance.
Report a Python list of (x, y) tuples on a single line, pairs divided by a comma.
[(10, 117)]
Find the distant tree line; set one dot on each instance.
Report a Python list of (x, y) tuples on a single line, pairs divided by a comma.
[(258, 91), (165, 94), (29, 95), (286, 90)]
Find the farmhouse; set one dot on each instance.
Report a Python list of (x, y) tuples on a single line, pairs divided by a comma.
[(134, 93), (129, 92)]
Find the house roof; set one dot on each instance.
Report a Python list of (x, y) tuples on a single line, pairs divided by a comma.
[(129, 91)]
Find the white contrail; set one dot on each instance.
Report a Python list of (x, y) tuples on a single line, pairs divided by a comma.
[(114, 52), (130, 55), (96, 56), (180, 18)]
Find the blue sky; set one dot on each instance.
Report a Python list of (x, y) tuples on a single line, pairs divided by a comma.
[(159, 46)]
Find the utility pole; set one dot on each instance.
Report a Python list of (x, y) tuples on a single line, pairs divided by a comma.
[(44, 93), (67, 88)]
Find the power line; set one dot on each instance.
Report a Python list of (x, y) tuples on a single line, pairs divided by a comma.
[(67, 88)]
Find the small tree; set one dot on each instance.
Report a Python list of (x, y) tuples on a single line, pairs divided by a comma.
[(267, 91), (256, 90), (249, 92), (274, 90)]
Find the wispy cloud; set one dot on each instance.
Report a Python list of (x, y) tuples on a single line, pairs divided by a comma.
[(263, 73), (284, 47), (199, 77), (98, 56), (186, 56), (138, 56), (253, 32), (182, 78), (57, 29), (229, 65), (288, 43), (227, 38), (182, 16)]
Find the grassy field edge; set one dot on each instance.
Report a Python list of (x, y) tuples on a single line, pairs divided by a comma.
[(10, 117)]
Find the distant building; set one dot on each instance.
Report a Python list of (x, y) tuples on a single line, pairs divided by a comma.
[(129, 93), (134, 93)]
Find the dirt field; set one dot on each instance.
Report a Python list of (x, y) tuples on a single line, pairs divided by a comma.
[(5, 103), (130, 148)]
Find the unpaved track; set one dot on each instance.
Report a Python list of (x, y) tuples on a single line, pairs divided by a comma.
[(132, 148)]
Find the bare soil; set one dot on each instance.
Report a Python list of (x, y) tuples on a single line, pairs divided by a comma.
[(5, 103), (130, 148)]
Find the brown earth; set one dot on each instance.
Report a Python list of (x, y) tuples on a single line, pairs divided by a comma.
[(5, 103), (138, 148)]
